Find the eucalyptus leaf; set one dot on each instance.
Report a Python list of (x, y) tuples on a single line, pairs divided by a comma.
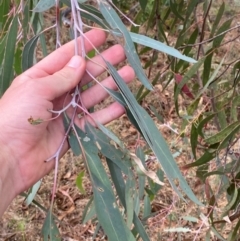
[(210, 79), (234, 235), (105, 203), (143, 4), (44, 5), (89, 211), (193, 70), (32, 192), (154, 44), (220, 136), (147, 207), (90, 214), (79, 182), (120, 187), (116, 23), (205, 158), (153, 137), (50, 231), (7, 71), (217, 19), (232, 201), (129, 196), (28, 53)]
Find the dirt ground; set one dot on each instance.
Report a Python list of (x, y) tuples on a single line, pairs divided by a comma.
[(23, 223)]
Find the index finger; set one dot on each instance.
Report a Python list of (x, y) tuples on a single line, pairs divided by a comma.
[(59, 58)]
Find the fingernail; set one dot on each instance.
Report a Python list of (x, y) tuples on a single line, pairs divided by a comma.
[(75, 62)]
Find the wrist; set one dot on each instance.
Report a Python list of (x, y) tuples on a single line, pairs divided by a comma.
[(7, 183)]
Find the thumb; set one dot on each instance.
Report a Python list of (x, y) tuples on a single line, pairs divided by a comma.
[(65, 79)]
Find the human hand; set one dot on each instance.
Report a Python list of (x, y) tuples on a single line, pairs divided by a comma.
[(24, 147)]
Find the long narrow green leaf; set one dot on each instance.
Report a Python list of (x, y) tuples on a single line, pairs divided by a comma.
[(117, 179), (50, 231), (152, 43), (147, 207), (187, 77), (110, 134), (211, 79), (205, 158), (43, 43), (234, 236), (231, 202), (173, 7), (222, 134), (116, 23), (106, 207), (226, 140), (190, 8), (7, 69), (79, 182), (203, 123), (44, 5), (190, 41), (217, 19), (138, 226), (225, 26), (120, 187), (28, 53), (193, 139), (153, 138), (32, 193), (25, 22), (234, 109), (143, 4), (4, 10), (118, 156), (2, 48), (129, 196), (108, 214), (18, 59), (91, 213), (217, 234), (142, 178)]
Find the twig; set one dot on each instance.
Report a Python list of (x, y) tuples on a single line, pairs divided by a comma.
[(203, 29), (211, 39)]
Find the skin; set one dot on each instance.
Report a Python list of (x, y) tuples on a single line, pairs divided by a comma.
[(23, 146)]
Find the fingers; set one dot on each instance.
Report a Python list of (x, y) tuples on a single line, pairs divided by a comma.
[(97, 66), (104, 116), (96, 93), (59, 58), (61, 82)]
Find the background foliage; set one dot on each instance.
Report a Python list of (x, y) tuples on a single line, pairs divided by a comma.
[(205, 126)]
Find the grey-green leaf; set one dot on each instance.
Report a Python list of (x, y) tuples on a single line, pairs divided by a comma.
[(7, 72), (44, 5), (106, 207), (28, 53), (152, 43), (50, 231), (222, 134), (32, 193), (116, 23), (153, 138)]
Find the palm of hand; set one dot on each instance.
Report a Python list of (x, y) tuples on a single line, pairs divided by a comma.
[(40, 89)]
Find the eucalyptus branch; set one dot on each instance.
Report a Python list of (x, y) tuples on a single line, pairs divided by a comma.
[(74, 26)]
